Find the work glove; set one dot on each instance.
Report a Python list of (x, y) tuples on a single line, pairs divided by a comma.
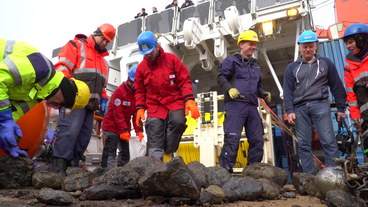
[(192, 106), (140, 134), (267, 97), (125, 136), (140, 116), (103, 106), (7, 130), (234, 93)]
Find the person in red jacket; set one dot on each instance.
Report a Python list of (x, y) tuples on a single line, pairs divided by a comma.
[(164, 89), (82, 59), (116, 124), (356, 76)]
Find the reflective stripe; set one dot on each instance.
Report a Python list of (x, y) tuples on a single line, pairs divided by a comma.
[(64, 59), (23, 105), (83, 55), (89, 70), (4, 103), (107, 68), (94, 95), (8, 48), (62, 68), (349, 89), (13, 70), (361, 75), (363, 108), (354, 103)]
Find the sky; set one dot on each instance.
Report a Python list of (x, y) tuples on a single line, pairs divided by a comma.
[(49, 24)]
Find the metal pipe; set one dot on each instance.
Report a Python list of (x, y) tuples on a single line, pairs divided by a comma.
[(296, 52), (263, 51)]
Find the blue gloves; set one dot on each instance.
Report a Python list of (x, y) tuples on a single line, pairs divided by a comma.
[(7, 130), (103, 106)]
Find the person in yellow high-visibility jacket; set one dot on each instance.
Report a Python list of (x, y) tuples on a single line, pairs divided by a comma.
[(26, 78)]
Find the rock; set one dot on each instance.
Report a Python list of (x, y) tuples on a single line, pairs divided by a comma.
[(290, 194), (99, 171), (76, 194), (269, 172), (54, 197), (41, 179), (246, 188), (178, 201), (217, 176), (299, 182), (75, 170), (341, 198), (43, 168), (309, 186), (156, 200), (142, 165), (200, 172), (270, 189), (205, 198), (217, 192), (15, 172), (80, 181), (171, 179), (231, 196)]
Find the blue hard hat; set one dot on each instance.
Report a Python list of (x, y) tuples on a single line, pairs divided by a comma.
[(308, 36), (131, 73), (146, 42), (356, 29)]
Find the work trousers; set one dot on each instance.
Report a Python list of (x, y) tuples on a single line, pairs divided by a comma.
[(73, 133), (164, 135), (239, 115), (318, 112), (112, 140)]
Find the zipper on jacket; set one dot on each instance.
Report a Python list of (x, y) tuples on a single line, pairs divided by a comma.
[(306, 85)]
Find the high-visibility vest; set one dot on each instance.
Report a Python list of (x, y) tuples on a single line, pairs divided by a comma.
[(26, 77)]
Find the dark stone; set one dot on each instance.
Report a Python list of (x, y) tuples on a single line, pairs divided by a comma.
[(179, 201), (75, 170), (43, 168), (47, 179), (246, 188), (270, 189), (99, 171), (309, 186), (267, 171), (200, 172), (339, 197), (156, 200), (217, 176), (80, 181), (15, 172), (290, 194), (104, 192), (171, 179), (54, 197), (231, 196), (299, 182), (142, 165), (218, 193), (205, 197)]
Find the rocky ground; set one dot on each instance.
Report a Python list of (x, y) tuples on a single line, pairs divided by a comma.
[(27, 197)]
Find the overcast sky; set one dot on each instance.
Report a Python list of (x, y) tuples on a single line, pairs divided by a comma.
[(48, 24)]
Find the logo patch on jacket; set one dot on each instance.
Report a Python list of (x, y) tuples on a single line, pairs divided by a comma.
[(321, 71), (126, 103), (117, 102)]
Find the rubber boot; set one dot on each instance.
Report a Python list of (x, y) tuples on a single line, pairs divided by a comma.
[(74, 163), (60, 165)]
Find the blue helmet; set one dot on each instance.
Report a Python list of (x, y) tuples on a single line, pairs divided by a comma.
[(356, 29), (131, 73), (307, 36), (146, 42)]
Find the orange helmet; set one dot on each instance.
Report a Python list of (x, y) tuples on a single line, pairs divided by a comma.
[(108, 31)]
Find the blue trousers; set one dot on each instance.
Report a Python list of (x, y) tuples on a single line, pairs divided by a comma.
[(239, 115), (318, 112), (73, 133)]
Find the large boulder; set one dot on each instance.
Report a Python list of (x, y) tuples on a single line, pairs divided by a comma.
[(171, 179), (269, 172), (47, 179), (142, 165), (247, 188), (15, 172)]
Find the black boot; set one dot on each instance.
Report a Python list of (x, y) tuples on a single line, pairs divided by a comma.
[(60, 165), (74, 163)]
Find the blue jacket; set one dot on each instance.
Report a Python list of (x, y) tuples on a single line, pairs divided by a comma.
[(304, 82), (243, 74)]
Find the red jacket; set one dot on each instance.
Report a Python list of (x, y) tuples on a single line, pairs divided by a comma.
[(354, 71), (79, 59), (162, 85), (120, 110)]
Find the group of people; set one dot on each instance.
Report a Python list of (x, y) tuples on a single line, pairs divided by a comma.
[(174, 3), (161, 86)]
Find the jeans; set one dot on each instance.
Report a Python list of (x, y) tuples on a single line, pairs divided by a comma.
[(318, 112)]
